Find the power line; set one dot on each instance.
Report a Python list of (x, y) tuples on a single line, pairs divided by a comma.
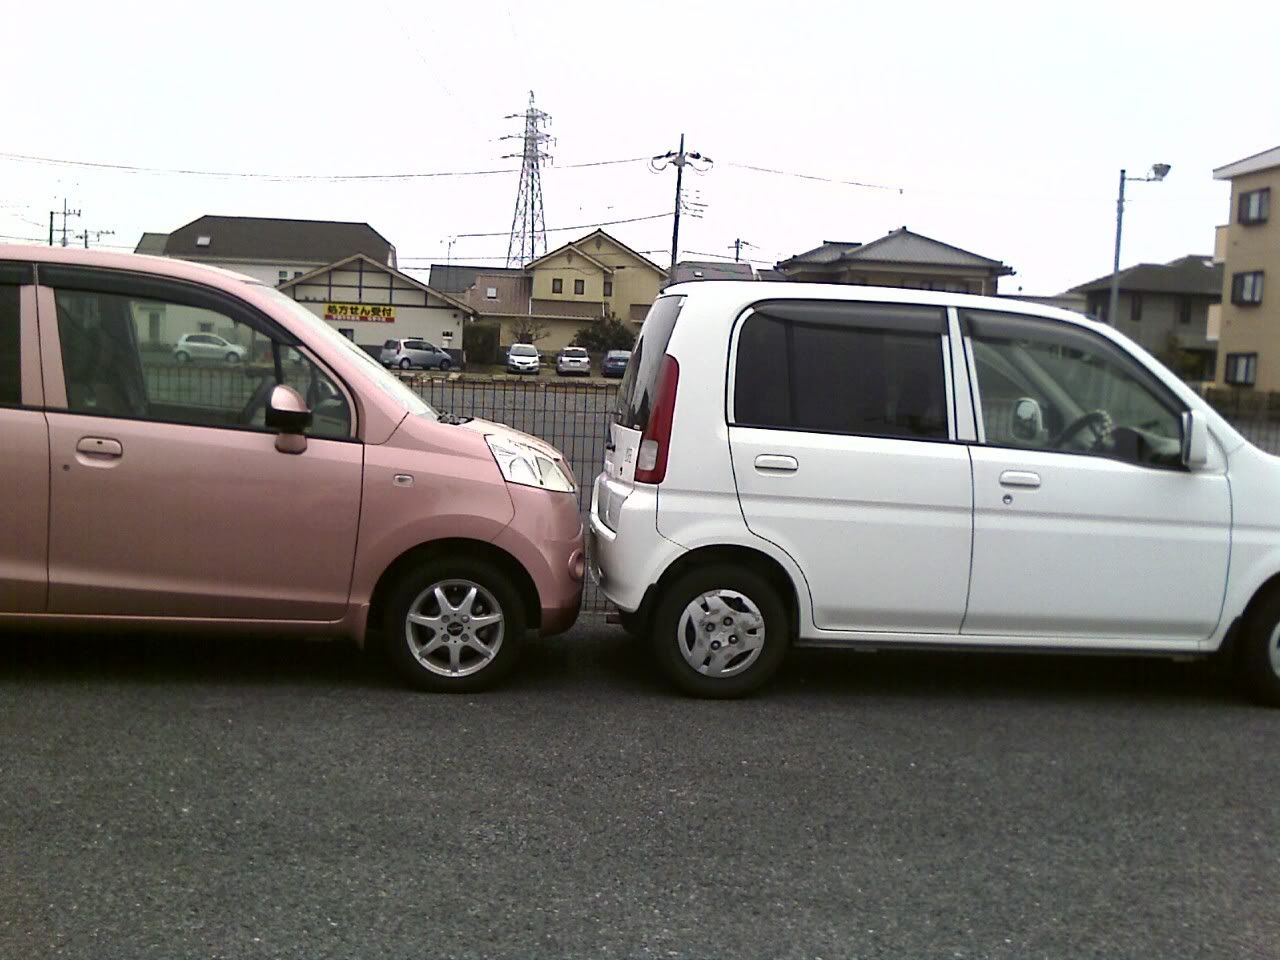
[(578, 226), (301, 177), (810, 176)]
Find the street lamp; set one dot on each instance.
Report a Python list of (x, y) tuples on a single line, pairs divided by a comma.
[(1157, 173)]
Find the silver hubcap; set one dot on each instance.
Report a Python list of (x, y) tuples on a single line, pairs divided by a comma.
[(721, 633), (1273, 650), (454, 628)]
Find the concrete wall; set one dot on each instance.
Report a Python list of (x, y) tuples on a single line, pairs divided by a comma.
[(559, 332), (1160, 330), (1253, 329)]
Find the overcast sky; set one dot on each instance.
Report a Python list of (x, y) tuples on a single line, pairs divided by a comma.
[(1003, 125)]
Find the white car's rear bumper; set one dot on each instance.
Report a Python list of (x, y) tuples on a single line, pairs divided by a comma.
[(626, 560)]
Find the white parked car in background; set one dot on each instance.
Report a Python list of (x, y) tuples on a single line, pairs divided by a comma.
[(871, 467), (207, 346)]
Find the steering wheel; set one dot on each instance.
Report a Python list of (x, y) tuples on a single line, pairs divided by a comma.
[(257, 401), (1099, 421)]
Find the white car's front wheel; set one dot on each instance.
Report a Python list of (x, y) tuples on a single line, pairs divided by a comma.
[(1257, 652)]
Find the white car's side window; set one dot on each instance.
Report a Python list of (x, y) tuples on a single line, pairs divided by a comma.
[(1045, 385), (862, 369)]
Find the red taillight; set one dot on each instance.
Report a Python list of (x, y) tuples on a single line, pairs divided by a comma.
[(655, 443)]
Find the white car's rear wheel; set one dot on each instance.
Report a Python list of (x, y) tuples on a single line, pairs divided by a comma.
[(721, 631)]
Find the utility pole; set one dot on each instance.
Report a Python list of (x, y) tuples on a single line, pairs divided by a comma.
[(679, 159), (65, 213), (529, 222), (96, 234), (737, 248)]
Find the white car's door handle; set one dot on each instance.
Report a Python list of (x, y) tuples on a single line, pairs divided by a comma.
[(776, 463), (1019, 478)]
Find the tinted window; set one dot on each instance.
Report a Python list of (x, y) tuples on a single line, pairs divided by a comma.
[(10, 362), (867, 369), (391, 345), (117, 363), (1045, 385), (636, 393)]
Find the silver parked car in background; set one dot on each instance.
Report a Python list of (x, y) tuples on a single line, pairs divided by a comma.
[(406, 354), (573, 360), (207, 346)]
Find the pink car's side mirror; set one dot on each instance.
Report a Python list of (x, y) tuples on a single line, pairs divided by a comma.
[(287, 414)]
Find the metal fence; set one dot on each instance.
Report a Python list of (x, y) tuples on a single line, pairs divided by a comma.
[(571, 416)]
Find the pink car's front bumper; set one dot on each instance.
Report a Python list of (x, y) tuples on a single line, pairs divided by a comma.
[(545, 536)]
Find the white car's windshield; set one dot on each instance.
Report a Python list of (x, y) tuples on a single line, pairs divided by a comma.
[(382, 379), (574, 352), (520, 350)]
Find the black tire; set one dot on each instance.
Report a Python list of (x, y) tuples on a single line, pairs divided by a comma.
[(233, 358), (412, 586), (667, 639), (633, 624), (445, 365), (406, 363), (182, 356), (1257, 662)]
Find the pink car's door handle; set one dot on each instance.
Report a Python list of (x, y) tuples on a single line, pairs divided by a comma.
[(100, 447)]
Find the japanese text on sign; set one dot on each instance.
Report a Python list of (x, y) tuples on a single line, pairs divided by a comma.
[(364, 312)]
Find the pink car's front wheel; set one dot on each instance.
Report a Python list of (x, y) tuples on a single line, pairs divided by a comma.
[(454, 625)]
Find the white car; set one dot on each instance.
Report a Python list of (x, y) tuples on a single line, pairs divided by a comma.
[(207, 346), (524, 358), (876, 468)]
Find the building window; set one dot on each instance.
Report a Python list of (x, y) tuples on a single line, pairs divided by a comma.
[(557, 285), (203, 241), (491, 293), (1241, 369), (579, 287), (1246, 288), (1255, 206), (348, 332), (446, 336), (297, 274), (1184, 310), (1135, 307), (206, 326), (608, 288), (284, 275)]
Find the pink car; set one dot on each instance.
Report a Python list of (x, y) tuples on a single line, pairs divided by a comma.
[(303, 490)]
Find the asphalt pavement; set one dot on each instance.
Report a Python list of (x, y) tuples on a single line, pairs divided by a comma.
[(174, 798)]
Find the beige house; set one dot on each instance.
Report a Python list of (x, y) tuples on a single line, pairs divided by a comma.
[(899, 259), (1248, 322), (556, 295)]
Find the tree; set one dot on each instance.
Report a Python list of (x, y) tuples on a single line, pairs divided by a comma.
[(606, 334), (529, 330)]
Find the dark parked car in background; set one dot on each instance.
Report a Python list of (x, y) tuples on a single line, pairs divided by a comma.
[(414, 353), (615, 363)]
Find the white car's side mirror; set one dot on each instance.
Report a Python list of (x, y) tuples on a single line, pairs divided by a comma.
[(1195, 440)]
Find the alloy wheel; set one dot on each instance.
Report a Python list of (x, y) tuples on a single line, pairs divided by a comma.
[(454, 628)]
